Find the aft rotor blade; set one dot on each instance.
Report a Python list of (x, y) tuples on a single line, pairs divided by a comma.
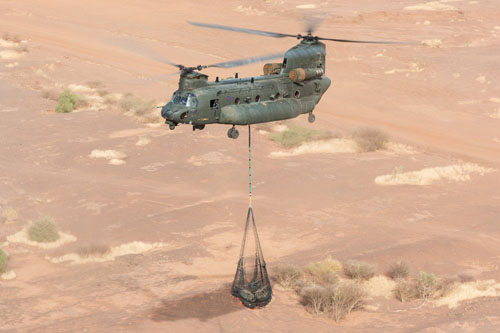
[(365, 41), (246, 61), (247, 31)]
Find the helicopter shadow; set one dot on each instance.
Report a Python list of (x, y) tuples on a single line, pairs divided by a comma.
[(202, 306)]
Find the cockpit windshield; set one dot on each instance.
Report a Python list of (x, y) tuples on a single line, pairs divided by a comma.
[(189, 100), (175, 98)]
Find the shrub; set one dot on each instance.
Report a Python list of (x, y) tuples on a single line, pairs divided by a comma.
[(315, 298), (325, 271), (358, 270), (3, 261), (370, 139), (288, 276), (404, 290), (293, 136), (50, 94), (426, 285), (9, 214), (67, 102), (344, 298), (43, 231), (93, 250), (398, 270), (143, 110)]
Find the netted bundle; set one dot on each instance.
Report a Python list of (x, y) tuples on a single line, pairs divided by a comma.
[(251, 281)]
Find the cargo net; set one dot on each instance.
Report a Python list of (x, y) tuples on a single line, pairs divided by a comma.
[(251, 282)]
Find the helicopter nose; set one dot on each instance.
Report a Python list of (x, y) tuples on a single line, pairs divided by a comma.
[(166, 113)]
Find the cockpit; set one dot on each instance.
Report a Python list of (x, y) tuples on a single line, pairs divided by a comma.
[(188, 99)]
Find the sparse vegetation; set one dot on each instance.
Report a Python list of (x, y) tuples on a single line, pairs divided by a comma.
[(288, 275), (324, 272), (405, 290), (67, 102), (143, 110), (358, 270), (9, 214), (464, 277), (3, 261), (345, 298), (315, 298), (50, 94), (370, 139), (426, 285), (93, 250), (294, 136), (398, 270), (43, 231)]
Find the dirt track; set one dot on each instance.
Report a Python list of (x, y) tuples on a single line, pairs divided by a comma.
[(187, 189)]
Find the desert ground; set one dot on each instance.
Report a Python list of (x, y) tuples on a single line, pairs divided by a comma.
[(171, 205)]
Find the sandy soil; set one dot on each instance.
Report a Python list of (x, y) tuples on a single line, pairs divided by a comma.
[(110, 178)]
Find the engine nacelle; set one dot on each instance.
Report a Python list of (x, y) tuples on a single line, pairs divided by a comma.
[(302, 74), (272, 68)]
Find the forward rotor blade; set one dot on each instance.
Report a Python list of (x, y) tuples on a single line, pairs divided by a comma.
[(247, 31), (246, 61), (142, 50), (365, 41)]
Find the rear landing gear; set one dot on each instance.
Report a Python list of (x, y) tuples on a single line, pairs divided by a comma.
[(233, 133), (198, 127), (311, 118)]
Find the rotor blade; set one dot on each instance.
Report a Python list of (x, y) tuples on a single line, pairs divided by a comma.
[(311, 23), (246, 61), (247, 31), (365, 41), (141, 50)]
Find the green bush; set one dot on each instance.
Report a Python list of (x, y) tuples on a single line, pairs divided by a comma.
[(370, 139), (3, 261), (43, 231), (67, 102), (426, 285)]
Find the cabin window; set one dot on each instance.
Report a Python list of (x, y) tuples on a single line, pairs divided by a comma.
[(277, 96), (284, 62), (214, 103), (297, 94), (237, 100), (257, 98)]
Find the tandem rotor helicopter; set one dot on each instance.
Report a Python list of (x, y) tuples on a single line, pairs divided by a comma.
[(286, 90)]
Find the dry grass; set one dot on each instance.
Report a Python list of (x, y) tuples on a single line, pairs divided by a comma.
[(9, 214), (288, 276), (43, 231), (370, 139), (3, 261), (345, 298), (142, 110), (398, 270), (324, 272), (358, 270), (93, 250)]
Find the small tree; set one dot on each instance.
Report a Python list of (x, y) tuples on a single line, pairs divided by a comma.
[(404, 290), (314, 298)]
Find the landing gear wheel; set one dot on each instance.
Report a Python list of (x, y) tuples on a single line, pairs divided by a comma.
[(233, 133), (311, 118), (200, 127), (171, 126)]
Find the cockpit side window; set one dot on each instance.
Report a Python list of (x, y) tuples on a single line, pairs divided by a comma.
[(189, 100), (175, 98)]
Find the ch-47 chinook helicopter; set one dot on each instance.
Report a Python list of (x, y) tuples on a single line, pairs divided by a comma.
[(286, 90)]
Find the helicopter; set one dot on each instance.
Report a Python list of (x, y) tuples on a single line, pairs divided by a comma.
[(286, 89)]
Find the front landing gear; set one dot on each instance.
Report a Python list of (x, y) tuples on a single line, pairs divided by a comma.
[(311, 118), (233, 133)]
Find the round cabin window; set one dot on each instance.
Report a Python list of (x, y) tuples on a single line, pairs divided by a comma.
[(297, 94), (277, 96), (237, 100), (257, 98)]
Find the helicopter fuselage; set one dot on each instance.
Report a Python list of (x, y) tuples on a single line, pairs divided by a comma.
[(289, 89)]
